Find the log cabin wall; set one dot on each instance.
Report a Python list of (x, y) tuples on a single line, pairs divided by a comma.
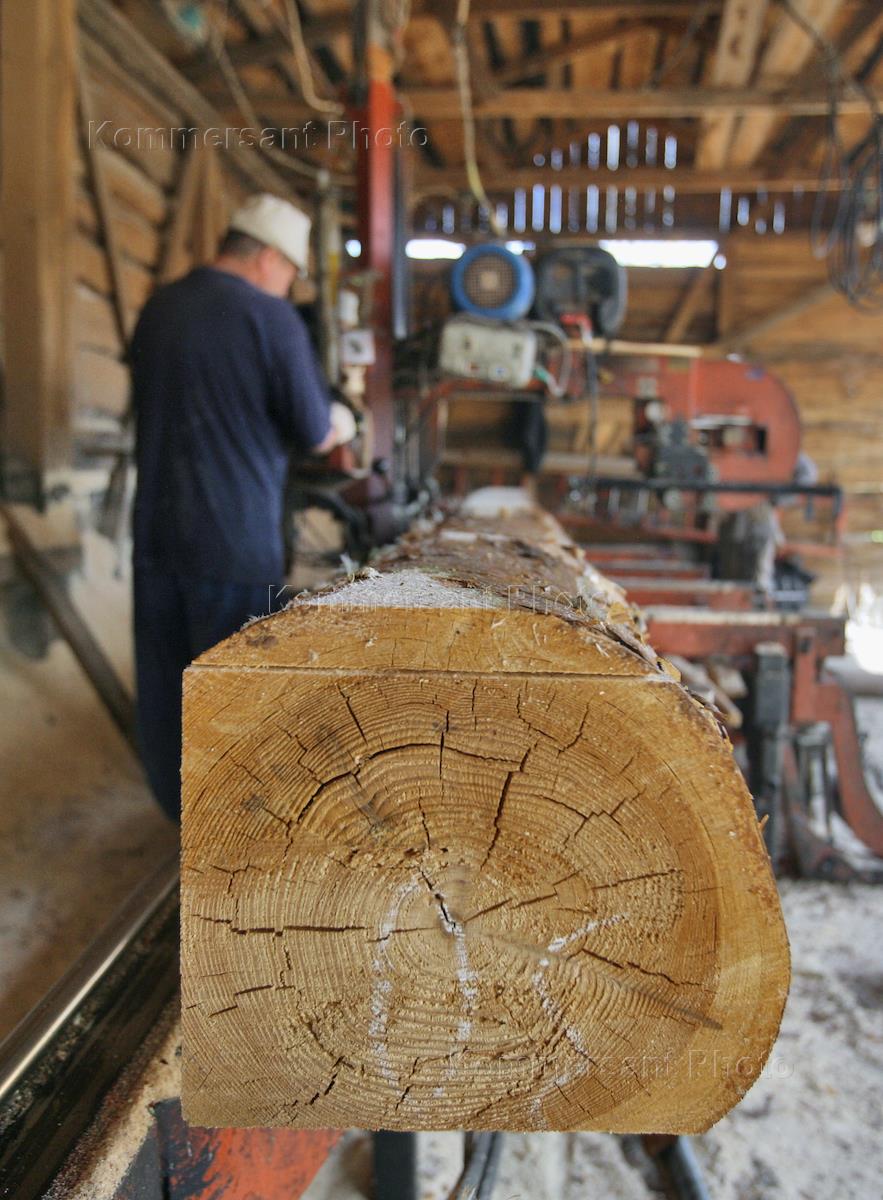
[(167, 196)]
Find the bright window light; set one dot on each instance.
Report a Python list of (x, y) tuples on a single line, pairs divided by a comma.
[(353, 247), (650, 253), (433, 248)]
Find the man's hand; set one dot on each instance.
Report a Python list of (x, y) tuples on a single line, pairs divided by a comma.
[(343, 423), (343, 428)]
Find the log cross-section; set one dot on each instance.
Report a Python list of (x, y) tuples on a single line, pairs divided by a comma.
[(459, 851)]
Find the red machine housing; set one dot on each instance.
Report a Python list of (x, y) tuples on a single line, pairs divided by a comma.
[(742, 417)]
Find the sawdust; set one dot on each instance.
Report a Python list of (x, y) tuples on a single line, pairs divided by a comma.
[(408, 589)]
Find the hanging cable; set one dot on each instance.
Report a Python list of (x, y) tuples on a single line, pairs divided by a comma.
[(464, 87), (302, 62), (245, 106), (846, 226)]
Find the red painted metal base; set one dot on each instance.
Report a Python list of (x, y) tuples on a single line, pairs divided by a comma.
[(808, 640), (237, 1164)]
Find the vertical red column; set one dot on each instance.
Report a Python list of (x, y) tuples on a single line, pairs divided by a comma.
[(376, 133)]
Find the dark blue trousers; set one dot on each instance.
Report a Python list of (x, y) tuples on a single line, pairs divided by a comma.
[(176, 618)]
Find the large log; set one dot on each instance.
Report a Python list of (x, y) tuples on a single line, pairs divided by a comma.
[(459, 851)]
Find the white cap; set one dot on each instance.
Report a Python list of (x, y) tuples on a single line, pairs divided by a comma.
[(276, 223)]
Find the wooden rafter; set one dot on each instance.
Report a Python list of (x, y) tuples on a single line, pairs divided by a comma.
[(738, 40), (442, 103), (788, 51), (795, 142), (564, 52), (689, 303)]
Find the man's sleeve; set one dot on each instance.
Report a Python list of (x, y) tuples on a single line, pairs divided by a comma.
[(299, 400)]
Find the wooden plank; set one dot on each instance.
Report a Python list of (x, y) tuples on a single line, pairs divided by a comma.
[(138, 238), (725, 301), (324, 26), (438, 816), (144, 134), (38, 110), (788, 51), (103, 208), (740, 32), (101, 384), (94, 322), (128, 185), (174, 259), (91, 267)]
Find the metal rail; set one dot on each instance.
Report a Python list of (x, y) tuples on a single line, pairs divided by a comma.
[(60, 1062)]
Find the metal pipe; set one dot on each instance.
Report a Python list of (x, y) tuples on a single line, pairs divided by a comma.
[(680, 1162), (479, 1172)]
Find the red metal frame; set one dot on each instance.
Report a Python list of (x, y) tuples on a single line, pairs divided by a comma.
[(701, 593), (808, 641), (817, 697)]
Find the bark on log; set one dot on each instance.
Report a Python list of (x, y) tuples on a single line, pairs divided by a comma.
[(460, 852)]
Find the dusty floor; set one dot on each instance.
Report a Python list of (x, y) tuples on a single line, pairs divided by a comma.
[(79, 830)]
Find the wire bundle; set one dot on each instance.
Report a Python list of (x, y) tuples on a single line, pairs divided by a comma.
[(847, 225), (847, 218)]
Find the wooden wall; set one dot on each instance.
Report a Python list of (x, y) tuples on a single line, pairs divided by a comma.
[(149, 183)]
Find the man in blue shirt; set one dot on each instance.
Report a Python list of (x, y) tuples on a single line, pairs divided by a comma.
[(225, 385)]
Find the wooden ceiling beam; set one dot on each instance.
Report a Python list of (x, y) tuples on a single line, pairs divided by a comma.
[(534, 9), (564, 52), (442, 103), (332, 22), (788, 51), (795, 141), (689, 302)]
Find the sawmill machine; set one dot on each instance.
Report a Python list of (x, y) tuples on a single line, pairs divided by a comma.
[(691, 524)]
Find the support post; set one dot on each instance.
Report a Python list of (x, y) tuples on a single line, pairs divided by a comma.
[(375, 118), (38, 109)]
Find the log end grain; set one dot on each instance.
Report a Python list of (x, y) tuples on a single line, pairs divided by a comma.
[(475, 867)]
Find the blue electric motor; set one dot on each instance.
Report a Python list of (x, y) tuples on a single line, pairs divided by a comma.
[(491, 281)]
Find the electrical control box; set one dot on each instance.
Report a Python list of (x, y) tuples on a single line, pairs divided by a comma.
[(500, 354), (357, 348)]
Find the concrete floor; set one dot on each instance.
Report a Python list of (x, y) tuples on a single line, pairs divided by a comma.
[(78, 827)]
